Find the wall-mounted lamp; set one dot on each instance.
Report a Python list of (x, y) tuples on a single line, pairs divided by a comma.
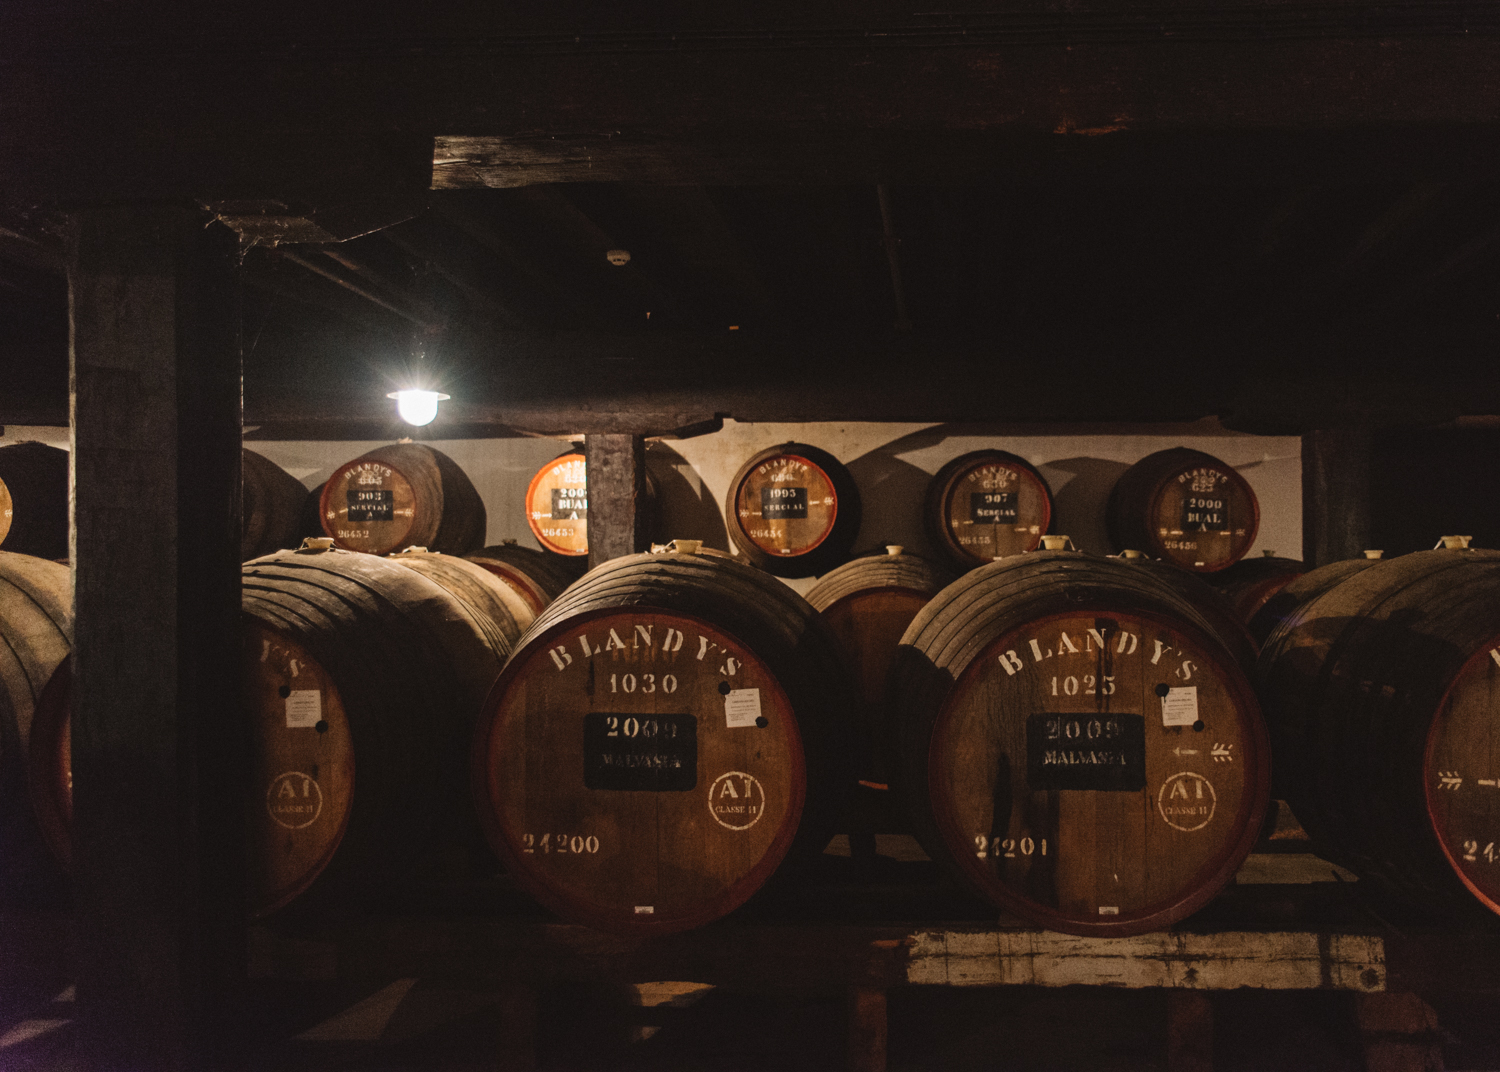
[(418, 407)]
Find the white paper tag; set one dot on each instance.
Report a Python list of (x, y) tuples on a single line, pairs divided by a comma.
[(741, 708), (1179, 707), (304, 709)]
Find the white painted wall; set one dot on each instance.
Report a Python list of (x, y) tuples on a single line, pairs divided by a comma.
[(891, 463)]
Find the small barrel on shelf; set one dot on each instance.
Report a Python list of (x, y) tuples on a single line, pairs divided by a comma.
[(985, 505), (536, 576), (1250, 582), (557, 507), (793, 510), (34, 500), (713, 718), (498, 608), (1077, 745), (1184, 506), (273, 503), (867, 605), (399, 495), (36, 627), (1383, 697), (1284, 602)]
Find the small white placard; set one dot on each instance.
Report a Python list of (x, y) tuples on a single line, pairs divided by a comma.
[(1179, 707), (645, 910), (741, 708), (304, 709)]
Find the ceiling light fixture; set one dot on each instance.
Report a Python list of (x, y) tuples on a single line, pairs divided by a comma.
[(418, 407)]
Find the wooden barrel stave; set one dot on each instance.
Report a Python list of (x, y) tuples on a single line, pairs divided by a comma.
[(726, 612), (1227, 625), (940, 681), (1283, 604), (497, 607), (538, 577), (1250, 582), (1360, 686)]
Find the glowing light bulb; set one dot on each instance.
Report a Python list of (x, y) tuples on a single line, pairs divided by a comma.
[(417, 407)]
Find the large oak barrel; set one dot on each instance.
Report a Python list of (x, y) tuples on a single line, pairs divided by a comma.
[(36, 627), (1383, 697), (1184, 506), (273, 504), (1076, 744), (1283, 603), (867, 605), (557, 505), (397, 496), (1250, 582), (536, 576), (986, 505), (498, 608), (34, 500), (667, 732), (793, 510)]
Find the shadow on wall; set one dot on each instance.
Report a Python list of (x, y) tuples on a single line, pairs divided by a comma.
[(684, 507), (1078, 503), (891, 493)]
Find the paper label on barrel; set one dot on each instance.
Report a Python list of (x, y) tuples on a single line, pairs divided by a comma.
[(304, 709), (783, 504), (1087, 750), (993, 508), (741, 708), (654, 753), (1179, 707)]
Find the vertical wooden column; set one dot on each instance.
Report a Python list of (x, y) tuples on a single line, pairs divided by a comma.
[(617, 496), (158, 756), (1190, 1031), (1335, 494)]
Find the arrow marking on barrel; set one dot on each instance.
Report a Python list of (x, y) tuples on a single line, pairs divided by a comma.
[(1221, 753), (1491, 782), (1450, 779), (1184, 751)]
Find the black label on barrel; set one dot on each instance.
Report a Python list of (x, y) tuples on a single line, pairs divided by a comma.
[(658, 753), (570, 504), (993, 508), (1086, 751), (1205, 513), (783, 504), (371, 505)]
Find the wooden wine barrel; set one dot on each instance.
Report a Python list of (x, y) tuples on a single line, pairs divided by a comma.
[(362, 682), (536, 576), (273, 504), (1251, 581), (1076, 744), (1284, 602), (793, 510), (36, 627), (1383, 697), (714, 717), (557, 505), (1229, 628), (498, 608), (987, 505), (34, 500), (1184, 506), (867, 605), (402, 495)]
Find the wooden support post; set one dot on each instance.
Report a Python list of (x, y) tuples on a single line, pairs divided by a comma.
[(518, 1029), (1399, 1032), (1190, 1031), (867, 1029), (159, 754), (617, 496), (1335, 494)]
